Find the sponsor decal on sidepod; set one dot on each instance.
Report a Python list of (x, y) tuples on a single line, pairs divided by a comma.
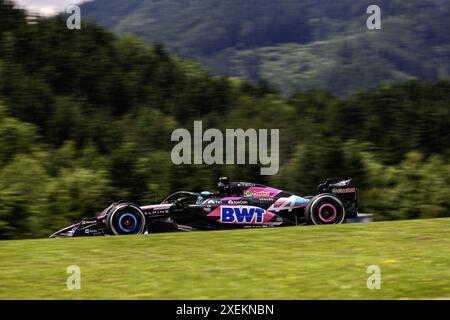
[(244, 215)]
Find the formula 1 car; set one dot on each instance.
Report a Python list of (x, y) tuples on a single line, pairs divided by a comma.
[(235, 205)]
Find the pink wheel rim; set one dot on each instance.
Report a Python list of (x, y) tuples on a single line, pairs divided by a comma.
[(333, 216)]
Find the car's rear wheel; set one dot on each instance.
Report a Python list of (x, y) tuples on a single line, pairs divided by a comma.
[(325, 209), (125, 218)]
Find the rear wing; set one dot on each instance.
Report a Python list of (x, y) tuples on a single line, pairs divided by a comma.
[(342, 189)]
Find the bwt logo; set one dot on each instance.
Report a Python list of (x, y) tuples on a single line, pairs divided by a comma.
[(242, 215)]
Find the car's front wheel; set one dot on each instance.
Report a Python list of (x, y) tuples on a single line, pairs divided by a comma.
[(125, 218), (325, 209)]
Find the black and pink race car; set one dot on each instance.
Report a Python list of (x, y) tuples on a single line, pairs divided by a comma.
[(235, 205)]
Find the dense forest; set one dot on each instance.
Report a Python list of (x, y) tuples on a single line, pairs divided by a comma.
[(295, 44), (86, 118)]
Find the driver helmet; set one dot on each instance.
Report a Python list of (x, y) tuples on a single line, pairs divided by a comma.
[(203, 195)]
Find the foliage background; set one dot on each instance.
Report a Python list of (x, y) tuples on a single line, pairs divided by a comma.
[(86, 118)]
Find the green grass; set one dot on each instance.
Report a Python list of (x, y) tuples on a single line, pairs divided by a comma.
[(323, 262)]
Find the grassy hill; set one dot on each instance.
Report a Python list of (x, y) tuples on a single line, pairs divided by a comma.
[(286, 263), (294, 44)]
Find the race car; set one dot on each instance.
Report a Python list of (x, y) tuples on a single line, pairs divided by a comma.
[(234, 205)]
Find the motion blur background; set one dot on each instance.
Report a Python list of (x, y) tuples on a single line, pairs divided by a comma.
[(86, 115)]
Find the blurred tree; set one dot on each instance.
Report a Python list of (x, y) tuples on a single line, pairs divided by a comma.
[(416, 188), (72, 195), (21, 185), (86, 118), (16, 137)]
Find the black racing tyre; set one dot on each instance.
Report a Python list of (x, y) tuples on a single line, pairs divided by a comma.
[(125, 218), (325, 209)]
